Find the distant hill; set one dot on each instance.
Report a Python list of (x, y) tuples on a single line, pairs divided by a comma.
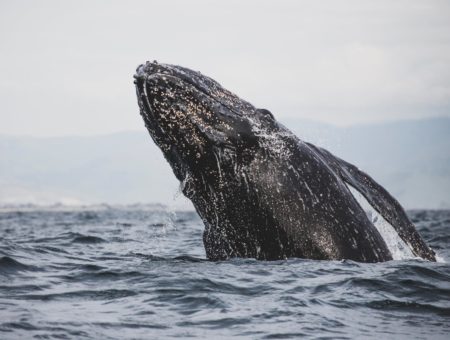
[(117, 168), (410, 158)]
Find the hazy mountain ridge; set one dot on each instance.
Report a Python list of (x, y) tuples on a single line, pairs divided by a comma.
[(410, 158)]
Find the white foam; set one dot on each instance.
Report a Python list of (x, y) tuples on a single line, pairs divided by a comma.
[(439, 258)]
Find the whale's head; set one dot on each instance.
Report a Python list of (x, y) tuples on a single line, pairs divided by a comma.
[(194, 120)]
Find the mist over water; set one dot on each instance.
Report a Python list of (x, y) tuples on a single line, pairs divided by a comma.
[(141, 272)]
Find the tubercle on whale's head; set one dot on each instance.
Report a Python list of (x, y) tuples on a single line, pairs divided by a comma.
[(190, 116)]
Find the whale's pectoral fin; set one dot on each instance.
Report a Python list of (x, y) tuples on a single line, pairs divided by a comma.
[(386, 205)]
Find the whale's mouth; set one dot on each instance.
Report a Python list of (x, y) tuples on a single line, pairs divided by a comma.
[(190, 116), (167, 113)]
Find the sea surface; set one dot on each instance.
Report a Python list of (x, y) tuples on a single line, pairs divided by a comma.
[(139, 272)]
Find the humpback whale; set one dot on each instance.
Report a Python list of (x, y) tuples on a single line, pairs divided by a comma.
[(261, 191)]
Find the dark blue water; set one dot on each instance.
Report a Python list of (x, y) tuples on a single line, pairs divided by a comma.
[(140, 272)]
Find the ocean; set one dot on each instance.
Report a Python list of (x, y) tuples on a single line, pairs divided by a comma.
[(140, 272)]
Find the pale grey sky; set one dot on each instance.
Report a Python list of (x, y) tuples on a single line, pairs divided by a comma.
[(66, 66)]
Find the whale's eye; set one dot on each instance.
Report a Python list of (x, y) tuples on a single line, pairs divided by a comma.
[(266, 113)]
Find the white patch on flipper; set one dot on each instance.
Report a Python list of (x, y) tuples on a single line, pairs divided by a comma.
[(398, 248)]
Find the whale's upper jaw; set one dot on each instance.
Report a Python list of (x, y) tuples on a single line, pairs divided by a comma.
[(202, 83), (208, 86)]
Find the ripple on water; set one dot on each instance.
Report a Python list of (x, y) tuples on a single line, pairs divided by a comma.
[(10, 266), (142, 273)]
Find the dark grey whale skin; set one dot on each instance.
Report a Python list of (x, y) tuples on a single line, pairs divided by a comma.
[(262, 192)]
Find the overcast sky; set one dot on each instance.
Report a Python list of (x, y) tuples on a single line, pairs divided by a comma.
[(66, 66)]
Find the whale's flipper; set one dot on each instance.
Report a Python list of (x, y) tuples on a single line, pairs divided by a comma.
[(386, 205)]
